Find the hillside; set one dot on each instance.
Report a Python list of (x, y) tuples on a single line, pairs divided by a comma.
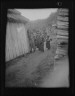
[(40, 23)]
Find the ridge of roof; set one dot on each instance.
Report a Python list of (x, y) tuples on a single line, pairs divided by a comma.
[(15, 16)]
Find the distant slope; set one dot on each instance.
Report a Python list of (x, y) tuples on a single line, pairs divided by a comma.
[(43, 22), (52, 19)]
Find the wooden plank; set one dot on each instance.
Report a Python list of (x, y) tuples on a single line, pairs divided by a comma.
[(64, 37), (62, 23), (63, 27), (62, 18), (62, 32)]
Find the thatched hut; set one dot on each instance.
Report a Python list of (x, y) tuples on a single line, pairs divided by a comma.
[(16, 35)]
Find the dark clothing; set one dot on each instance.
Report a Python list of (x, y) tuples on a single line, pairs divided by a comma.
[(41, 47), (48, 44)]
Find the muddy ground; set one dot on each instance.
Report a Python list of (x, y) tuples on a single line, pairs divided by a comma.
[(38, 69)]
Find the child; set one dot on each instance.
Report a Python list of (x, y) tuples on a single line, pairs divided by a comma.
[(41, 45), (48, 42)]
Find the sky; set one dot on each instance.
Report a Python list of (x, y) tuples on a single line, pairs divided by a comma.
[(34, 14)]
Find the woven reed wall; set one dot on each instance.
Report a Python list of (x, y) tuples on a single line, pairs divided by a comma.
[(16, 40)]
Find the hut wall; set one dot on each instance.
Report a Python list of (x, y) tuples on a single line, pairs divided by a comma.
[(16, 40)]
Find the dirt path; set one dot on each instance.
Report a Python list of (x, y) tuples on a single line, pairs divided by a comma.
[(24, 66), (58, 77)]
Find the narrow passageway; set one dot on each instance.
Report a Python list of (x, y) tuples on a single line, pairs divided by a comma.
[(58, 77), (29, 64), (33, 59)]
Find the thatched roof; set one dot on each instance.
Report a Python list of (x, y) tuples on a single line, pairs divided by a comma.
[(15, 16)]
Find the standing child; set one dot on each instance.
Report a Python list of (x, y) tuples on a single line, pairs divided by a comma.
[(48, 42)]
